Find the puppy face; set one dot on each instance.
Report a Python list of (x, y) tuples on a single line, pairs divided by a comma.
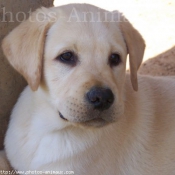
[(83, 72), (95, 58)]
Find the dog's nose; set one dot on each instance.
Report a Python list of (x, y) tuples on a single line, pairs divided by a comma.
[(100, 98)]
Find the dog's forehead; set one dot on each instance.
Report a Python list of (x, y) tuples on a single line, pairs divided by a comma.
[(86, 29)]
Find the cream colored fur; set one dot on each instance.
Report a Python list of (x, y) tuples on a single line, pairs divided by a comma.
[(137, 133)]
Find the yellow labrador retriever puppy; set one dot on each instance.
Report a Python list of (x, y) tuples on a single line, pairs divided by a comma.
[(81, 112)]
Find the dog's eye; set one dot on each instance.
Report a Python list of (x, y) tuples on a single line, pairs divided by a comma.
[(67, 58), (114, 59)]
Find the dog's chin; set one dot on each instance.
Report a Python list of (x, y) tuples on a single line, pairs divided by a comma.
[(96, 122)]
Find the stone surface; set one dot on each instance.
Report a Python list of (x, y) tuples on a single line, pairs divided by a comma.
[(160, 65)]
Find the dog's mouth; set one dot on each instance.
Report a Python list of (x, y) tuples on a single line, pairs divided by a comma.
[(92, 122), (61, 116)]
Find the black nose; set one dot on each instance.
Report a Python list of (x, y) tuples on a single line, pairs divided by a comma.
[(100, 98)]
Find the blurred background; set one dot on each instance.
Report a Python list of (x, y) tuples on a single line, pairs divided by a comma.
[(155, 20)]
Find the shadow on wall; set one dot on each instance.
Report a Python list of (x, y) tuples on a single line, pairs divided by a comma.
[(160, 65)]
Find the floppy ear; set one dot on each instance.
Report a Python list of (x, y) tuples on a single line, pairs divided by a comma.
[(135, 46), (24, 46)]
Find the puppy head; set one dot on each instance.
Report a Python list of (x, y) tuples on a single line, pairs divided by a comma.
[(82, 62)]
